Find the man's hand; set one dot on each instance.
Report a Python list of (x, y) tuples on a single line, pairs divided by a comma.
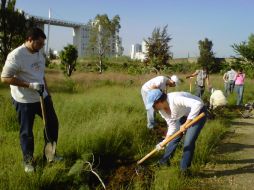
[(182, 129), (37, 86), (159, 147)]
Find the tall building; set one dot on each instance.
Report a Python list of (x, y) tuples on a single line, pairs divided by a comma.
[(138, 51)]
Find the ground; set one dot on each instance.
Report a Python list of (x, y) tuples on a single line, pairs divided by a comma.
[(233, 164)]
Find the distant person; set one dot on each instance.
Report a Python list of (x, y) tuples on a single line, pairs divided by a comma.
[(226, 83), (24, 71), (231, 80), (178, 109), (202, 78), (239, 86), (217, 99), (161, 83)]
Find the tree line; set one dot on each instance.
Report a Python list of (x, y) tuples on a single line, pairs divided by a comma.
[(102, 30)]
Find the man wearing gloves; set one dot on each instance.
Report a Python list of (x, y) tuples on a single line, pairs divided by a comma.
[(161, 83), (176, 108), (24, 72)]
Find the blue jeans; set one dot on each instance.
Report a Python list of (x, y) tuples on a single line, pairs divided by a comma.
[(149, 113), (226, 88), (200, 91), (26, 114), (239, 91), (190, 138), (231, 85)]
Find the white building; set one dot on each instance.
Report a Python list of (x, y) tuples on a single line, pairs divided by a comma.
[(139, 51), (80, 34)]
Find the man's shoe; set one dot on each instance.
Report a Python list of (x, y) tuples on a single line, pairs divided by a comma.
[(185, 173), (29, 168), (55, 159)]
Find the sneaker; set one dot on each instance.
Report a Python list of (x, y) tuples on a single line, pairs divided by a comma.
[(58, 158), (185, 173), (55, 159), (29, 168)]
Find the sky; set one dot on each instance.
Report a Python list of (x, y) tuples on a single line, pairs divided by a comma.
[(224, 22)]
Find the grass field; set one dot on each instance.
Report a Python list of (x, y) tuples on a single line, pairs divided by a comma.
[(102, 121)]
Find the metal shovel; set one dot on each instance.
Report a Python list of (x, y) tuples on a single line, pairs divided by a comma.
[(50, 148)]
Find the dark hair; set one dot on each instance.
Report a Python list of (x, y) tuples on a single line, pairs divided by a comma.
[(162, 98), (35, 33)]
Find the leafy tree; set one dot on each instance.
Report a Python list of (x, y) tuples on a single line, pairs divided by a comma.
[(206, 58), (69, 58), (13, 27), (245, 50), (158, 47), (103, 36)]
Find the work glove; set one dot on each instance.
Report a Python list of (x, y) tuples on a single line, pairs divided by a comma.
[(37, 86), (159, 147)]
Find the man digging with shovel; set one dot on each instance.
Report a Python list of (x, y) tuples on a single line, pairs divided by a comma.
[(178, 109), (24, 72)]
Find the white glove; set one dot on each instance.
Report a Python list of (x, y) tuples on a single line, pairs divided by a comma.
[(36, 86), (159, 147)]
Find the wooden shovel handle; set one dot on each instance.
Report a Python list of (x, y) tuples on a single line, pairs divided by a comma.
[(166, 141), (43, 110)]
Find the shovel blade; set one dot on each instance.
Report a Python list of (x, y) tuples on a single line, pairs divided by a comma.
[(50, 151)]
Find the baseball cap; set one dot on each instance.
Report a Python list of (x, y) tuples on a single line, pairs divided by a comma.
[(152, 96), (175, 79)]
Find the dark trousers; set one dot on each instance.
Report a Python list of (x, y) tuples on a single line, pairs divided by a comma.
[(26, 114)]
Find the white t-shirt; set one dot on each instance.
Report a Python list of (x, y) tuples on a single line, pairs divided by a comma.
[(217, 98), (26, 66), (181, 104), (160, 82), (231, 74)]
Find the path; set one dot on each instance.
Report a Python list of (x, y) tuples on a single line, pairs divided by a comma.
[(233, 165)]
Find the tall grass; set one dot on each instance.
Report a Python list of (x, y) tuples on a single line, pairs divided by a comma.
[(101, 117)]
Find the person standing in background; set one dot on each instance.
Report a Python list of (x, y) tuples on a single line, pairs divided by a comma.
[(202, 78), (231, 80), (239, 86), (226, 85)]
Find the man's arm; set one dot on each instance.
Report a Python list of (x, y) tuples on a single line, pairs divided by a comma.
[(14, 81), (192, 75)]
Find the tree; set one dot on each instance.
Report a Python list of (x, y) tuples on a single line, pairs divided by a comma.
[(158, 47), (69, 57), (246, 50), (103, 36), (206, 58), (13, 27)]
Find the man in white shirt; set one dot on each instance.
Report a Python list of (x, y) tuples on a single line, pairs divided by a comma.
[(231, 80), (178, 108), (24, 72), (161, 83)]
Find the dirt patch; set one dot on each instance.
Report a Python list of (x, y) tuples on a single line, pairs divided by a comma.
[(233, 163)]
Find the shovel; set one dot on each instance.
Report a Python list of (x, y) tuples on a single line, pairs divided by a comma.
[(50, 148), (166, 141)]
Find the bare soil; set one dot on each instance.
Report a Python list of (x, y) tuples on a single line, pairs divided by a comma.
[(233, 163)]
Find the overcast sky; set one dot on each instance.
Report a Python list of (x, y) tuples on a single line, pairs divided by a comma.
[(225, 22)]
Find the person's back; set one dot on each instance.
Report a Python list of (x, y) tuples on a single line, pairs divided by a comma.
[(159, 82), (231, 74), (217, 98)]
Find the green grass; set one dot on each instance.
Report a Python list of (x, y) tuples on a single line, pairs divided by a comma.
[(104, 118)]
